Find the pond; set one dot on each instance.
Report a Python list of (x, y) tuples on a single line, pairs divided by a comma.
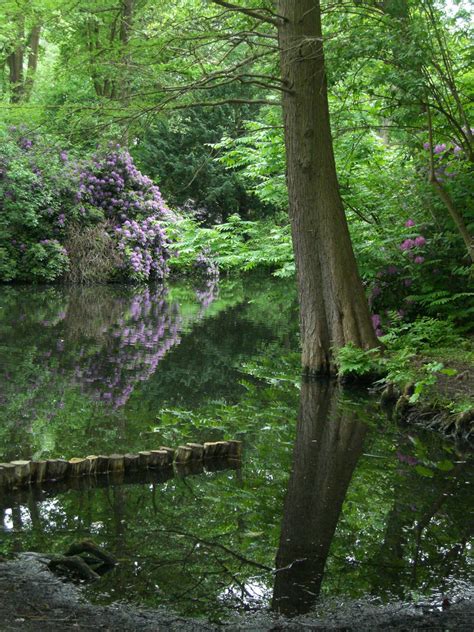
[(332, 498)]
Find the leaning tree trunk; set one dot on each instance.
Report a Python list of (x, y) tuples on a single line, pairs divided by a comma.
[(333, 306)]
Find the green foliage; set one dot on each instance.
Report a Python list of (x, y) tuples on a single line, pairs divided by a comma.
[(236, 245), (180, 154), (353, 361)]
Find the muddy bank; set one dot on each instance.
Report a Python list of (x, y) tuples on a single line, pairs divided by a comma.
[(33, 599)]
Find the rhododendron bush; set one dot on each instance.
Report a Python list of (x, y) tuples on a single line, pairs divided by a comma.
[(47, 197)]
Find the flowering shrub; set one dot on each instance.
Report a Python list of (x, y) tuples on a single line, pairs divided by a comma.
[(48, 199)]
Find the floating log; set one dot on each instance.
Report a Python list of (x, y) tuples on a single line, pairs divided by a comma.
[(131, 462), (183, 454), (197, 451)]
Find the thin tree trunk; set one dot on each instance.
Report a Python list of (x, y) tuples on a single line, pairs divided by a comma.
[(333, 306), (445, 197)]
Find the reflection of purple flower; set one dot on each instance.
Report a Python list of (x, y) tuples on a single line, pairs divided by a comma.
[(439, 149), (409, 223), (407, 282), (406, 458), (420, 241), (419, 259), (426, 146)]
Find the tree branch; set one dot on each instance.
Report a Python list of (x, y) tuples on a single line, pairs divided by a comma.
[(254, 13)]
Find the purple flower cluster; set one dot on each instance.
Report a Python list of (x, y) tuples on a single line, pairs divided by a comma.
[(145, 248), (206, 266), (391, 286), (114, 184), (411, 245), (134, 204)]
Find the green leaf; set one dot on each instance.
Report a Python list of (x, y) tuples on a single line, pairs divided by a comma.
[(424, 471)]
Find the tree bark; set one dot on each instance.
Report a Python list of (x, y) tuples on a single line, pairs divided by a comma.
[(33, 46), (15, 64), (333, 306)]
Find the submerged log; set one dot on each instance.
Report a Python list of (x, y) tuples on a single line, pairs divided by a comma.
[(74, 564), (91, 548)]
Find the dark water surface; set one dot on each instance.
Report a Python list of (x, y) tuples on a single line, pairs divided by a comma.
[(332, 499)]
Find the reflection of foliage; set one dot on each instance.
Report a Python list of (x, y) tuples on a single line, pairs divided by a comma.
[(201, 543)]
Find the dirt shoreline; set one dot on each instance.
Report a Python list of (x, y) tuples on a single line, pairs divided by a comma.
[(33, 599)]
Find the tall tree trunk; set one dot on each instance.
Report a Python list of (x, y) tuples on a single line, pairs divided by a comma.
[(15, 64), (329, 442), (125, 32), (333, 306), (33, 46)]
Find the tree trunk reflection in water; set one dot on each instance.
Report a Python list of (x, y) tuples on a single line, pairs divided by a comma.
[(328, 444)]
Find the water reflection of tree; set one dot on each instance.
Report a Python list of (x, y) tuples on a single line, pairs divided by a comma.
[(328, 445)]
